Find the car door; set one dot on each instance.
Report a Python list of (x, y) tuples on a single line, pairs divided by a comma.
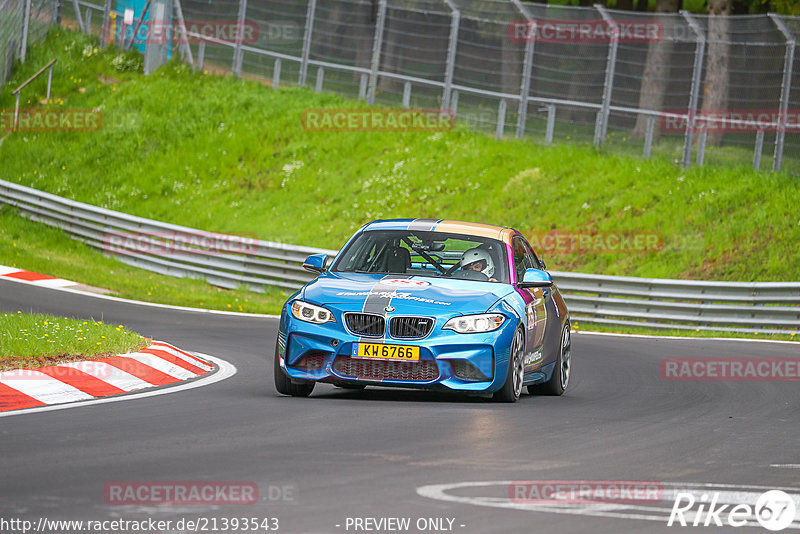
[(535, 304)]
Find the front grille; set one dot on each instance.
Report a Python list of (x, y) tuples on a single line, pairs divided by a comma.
[(420, 371), (365, 324), (410, 327)]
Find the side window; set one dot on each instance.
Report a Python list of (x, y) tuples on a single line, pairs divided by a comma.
[(519, 251), (533, 261)]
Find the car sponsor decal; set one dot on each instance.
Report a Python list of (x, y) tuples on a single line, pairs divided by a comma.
[(406, 282), (423, 224), (391, 295)]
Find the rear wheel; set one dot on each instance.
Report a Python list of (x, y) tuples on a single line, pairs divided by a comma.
[(512, 388), (285, 386), (560, 380)]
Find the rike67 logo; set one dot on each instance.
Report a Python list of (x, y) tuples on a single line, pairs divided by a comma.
[(774, 510)]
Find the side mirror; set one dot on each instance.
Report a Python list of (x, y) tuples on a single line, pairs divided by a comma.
[(535, 278), (315, 263)]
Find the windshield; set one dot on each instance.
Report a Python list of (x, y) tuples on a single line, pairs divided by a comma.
[(421, 253)]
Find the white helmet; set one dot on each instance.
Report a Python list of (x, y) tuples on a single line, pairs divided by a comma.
[(478, 254)]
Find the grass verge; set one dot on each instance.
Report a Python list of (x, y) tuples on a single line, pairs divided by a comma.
[(34, 340)]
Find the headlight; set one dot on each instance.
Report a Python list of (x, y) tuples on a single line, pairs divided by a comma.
[(310, 313), (472, 324)]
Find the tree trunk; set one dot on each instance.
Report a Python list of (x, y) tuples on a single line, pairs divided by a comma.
[(715, 92), (656, 74)]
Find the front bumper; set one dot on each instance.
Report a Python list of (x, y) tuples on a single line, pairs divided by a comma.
[(460, 362)]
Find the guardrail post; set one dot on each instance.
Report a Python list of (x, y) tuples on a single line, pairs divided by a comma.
[(320, 78), (454, 102), (648, 135), (276, 74), (59, 7), (310, 13), (26, 19), (377, 47), (452, 46), (786, 88), (601, 126), (201, 54), (697, 69), (551, 124), (362, 86), (237, 52), (87, 20), (501, 120), (407, 95), (701, 147), (527, 67), (49, 80), (758, 149)]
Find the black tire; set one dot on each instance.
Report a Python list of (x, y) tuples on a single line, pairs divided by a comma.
[(512, 388), (560, 380), (285, 386)]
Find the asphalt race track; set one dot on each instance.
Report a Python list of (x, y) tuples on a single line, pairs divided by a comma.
[(358, 454)]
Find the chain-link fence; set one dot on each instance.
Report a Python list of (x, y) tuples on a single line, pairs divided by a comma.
[(22, 22), (692, 87)]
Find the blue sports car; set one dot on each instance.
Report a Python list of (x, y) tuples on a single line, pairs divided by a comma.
[(426, 303)]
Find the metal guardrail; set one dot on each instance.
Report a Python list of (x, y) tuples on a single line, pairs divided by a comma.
[(232, 261)]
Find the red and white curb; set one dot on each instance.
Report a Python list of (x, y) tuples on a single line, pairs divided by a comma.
[(159, 364), (21, 275)]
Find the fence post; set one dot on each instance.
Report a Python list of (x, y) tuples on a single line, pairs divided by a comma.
[(527, 66), (59, 8), (407, 95), (601, 126), (786, 88), (310, 13), (87, 23), (104, 38), (78, 15), (758, 149), (237, 53), (377, 47), (362, 86), (26, 19), (697, 70), (452, 46), (184, 42)]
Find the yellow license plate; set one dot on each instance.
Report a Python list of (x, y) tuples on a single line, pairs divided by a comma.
[(385, 352)]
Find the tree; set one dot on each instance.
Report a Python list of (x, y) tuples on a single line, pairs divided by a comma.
[(656, 72), (715, 85)]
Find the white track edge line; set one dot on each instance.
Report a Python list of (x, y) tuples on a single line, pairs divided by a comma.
[(648, 336), (143, 303), (226, 370)]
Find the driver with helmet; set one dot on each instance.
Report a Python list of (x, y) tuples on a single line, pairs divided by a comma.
[(478, 259)]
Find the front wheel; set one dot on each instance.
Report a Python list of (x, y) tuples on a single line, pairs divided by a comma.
[(560, 380), (512, 388), (285, 386)]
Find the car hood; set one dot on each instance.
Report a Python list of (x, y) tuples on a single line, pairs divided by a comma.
[(413, 295)]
